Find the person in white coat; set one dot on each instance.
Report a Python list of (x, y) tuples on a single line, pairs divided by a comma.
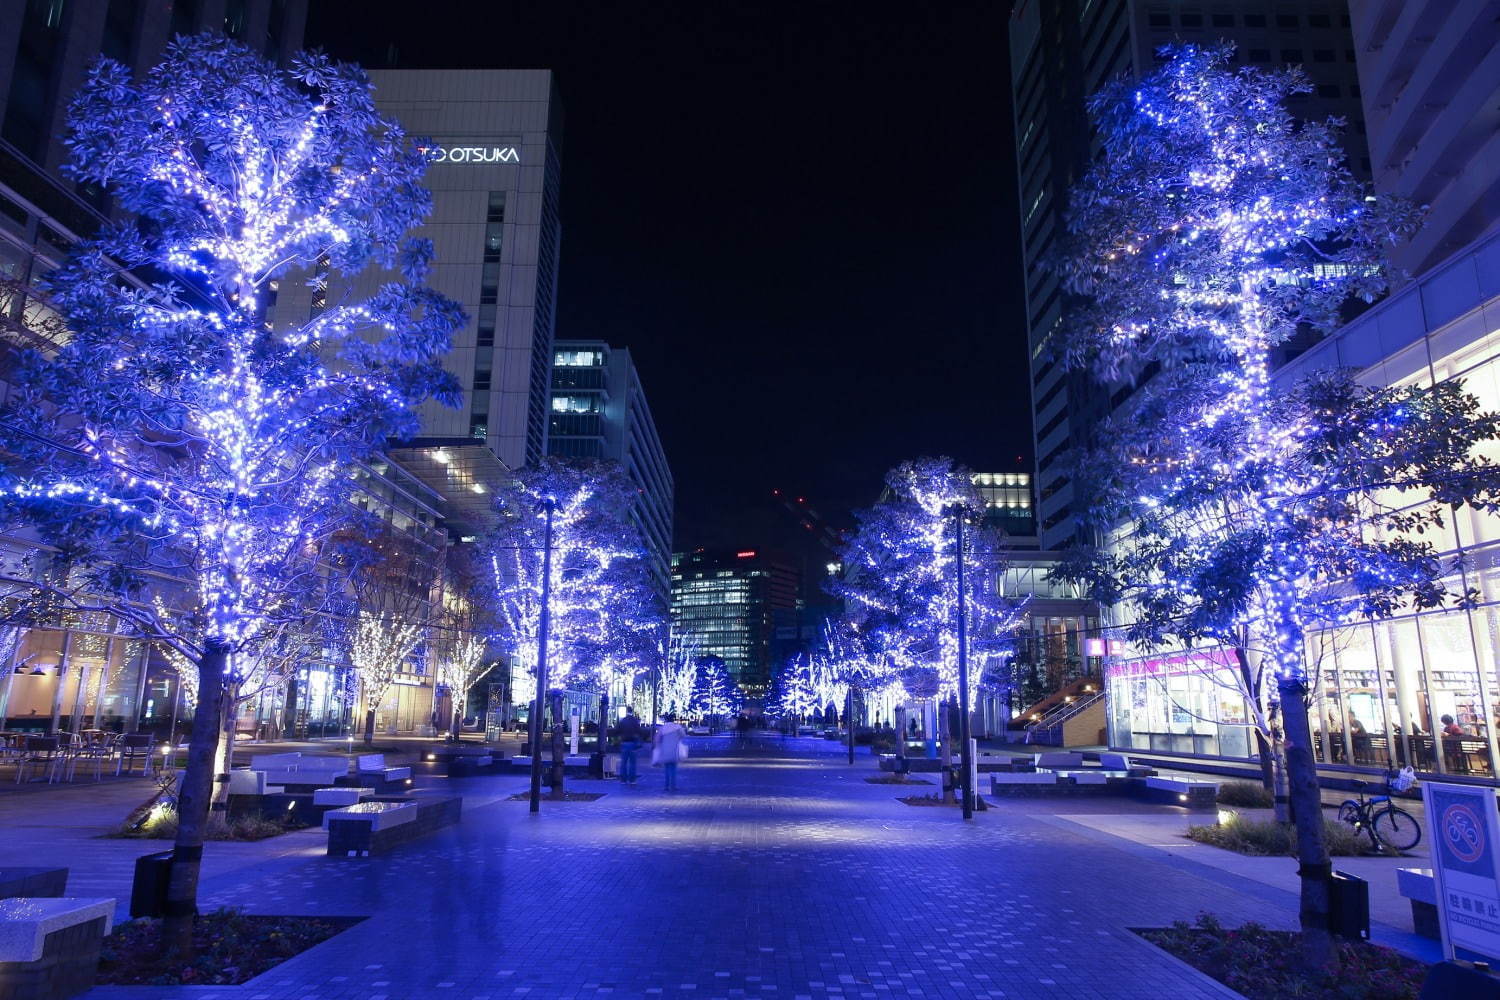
[(667, 748)]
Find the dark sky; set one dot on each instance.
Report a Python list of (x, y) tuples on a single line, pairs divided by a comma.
[(800, 217)]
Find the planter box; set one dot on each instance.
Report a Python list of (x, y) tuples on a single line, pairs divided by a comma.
[(33, 882), (381, 825), (49, 948)]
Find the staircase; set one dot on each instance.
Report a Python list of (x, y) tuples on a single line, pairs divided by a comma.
[(1070, 723)]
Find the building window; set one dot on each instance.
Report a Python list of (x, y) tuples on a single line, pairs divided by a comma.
[(1286, 21), (1328, 90), (481, 381), (1319, 21), (489, 284), (1255, 20), (1223, 20), (1260, 55), (1323, 55), (578, 359), (1291, 55), (1190, 20), (1159, 20), (575, 404), (479, 426)]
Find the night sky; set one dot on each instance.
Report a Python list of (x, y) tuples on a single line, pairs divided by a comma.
[(800, 217)]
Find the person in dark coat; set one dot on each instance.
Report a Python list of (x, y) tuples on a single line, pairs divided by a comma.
[(631, 736)]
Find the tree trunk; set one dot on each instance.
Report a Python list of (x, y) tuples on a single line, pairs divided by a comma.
[(557, 744), (458, 724), (945, 734), (1307, 812), (1267, 762), (218, 815), (370, 728), (192, 804)]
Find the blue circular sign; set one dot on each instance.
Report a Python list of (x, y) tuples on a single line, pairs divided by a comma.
[(1463, 833)]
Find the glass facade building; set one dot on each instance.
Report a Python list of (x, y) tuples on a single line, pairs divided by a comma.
[(725, 602), (598, 410), (1382, 688)]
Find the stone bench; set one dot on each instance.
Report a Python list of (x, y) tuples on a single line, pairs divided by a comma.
[(49, 947), (341, 796), (1022, 783), (1197, 796), (380, 825), (374, 763), (33, 882), (293, 770), (1418, 885), (1058, 758)]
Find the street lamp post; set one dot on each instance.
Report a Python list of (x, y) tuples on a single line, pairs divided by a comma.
[(965, 752), (543, 626)]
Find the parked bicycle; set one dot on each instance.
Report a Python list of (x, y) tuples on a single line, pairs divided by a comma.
[(1386, 824)]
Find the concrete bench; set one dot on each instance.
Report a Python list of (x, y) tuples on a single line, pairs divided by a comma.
[(49, 947), (1114, 762), (1059, 758), (1023, 778), (33, 882), (1418, 885), (1194, 795), (380, 825), (244, 782), (374, 763), (339, 797), (1085, 777), (275, 761)]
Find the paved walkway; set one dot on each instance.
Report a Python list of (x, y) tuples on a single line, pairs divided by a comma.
[(777, 871)]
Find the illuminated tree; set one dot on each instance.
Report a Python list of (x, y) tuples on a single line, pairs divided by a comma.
[(715, 694), (177, 446), (901, 581), (462, 658), (597, 565), (793, 695), (1214, 229)]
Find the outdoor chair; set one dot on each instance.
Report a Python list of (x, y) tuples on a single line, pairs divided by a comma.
[(133, 747), (94, 755), (41, 753)]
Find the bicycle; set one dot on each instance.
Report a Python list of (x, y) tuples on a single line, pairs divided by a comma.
[(1387, 824)]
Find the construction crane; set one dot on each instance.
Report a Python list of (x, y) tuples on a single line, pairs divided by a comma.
[(810, 520)]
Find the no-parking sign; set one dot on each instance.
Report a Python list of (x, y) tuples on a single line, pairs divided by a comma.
[(1464, 824)]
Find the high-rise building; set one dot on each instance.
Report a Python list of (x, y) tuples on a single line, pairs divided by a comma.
[(599, 410), (725, 603), (47, 47), (494, 140), (1430, 75), (1062, 51)]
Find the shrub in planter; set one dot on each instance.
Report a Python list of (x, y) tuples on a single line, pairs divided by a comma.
[(1265, 964), (1269, 838), (1245, 795)]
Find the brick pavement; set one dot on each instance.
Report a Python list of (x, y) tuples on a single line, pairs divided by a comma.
[(777, 872)]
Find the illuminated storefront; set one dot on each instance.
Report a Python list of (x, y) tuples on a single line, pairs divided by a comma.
[(1382, 689)]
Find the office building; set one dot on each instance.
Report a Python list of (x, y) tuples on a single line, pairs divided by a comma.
[(725, 603), (48, 46), (496, 148), (599, 411), (1061, 52), (1431, 73)]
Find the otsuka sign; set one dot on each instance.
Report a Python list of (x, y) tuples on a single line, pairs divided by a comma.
[(470, 154)]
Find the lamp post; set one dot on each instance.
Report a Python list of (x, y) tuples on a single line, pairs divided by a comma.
[(965, 752), (544, 624)]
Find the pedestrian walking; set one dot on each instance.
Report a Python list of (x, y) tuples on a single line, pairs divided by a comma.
[(668, 748), (631, 736)]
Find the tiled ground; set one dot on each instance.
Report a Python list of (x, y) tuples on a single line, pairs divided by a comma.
[(775, 872)]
